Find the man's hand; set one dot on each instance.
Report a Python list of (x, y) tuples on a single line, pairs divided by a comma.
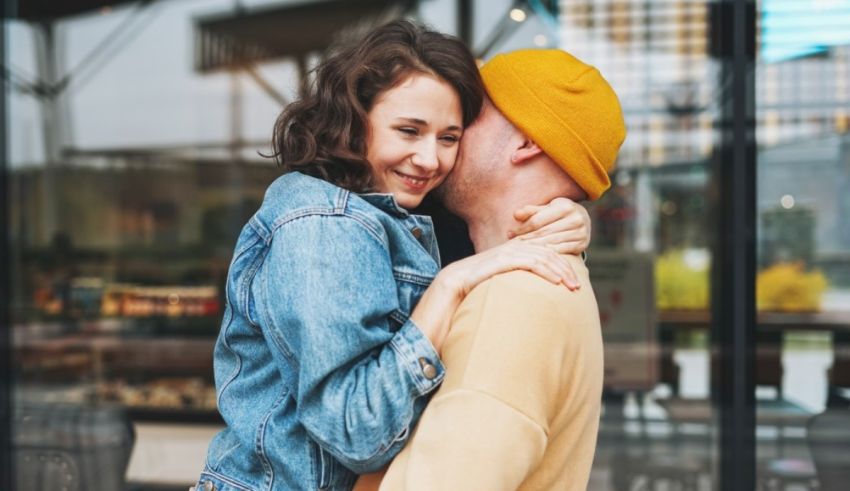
[(562, 225)]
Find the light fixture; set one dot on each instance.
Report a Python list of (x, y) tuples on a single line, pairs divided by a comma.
[(540, 40), (787, 201), (518, 15)]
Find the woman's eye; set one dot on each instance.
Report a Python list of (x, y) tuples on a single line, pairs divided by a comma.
[(449, 139), (408, 131)]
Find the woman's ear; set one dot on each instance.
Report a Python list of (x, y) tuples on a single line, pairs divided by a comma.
[(526, 152)]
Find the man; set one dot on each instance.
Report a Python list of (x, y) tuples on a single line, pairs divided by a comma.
[(519, 408)]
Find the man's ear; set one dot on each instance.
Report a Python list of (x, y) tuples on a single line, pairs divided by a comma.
[(527, 151)]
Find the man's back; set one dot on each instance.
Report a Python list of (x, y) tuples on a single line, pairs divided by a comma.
[(519, 408)]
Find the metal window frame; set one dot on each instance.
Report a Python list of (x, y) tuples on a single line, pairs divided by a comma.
[(6, 468), (733, 196)]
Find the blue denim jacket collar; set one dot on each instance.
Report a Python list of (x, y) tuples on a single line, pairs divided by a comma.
[(385, 202)]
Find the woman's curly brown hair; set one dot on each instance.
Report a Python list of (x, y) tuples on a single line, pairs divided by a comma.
[(324, 133)]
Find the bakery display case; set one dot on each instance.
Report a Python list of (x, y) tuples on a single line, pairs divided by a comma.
[(123, 309)]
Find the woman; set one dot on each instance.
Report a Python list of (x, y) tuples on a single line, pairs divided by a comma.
[(336, 307)]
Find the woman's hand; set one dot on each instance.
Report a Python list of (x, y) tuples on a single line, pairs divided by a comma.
[(436, 308), (466, 274), (563, 225)]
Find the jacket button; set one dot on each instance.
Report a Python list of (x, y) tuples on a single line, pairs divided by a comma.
[(417, 233), (209, 486), (429, 370)]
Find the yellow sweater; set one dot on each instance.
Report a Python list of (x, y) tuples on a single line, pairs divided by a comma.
[(519, 408)]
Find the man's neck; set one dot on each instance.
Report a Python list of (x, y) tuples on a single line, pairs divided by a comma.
[(490, 228)]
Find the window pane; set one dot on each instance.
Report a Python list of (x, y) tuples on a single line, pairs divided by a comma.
[(803, 285), (650, 257)]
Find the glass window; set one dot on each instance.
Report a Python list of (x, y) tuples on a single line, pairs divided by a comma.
[(650, 258), (132, 171), (803, 249)]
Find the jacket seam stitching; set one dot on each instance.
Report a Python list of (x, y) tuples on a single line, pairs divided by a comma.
[(261, 436), (422, 388), (259, 227), (342, 200), (238, 368), (278, 341), (324, 482), (226, 479), (323, 212), (247, 281), (413, 278)]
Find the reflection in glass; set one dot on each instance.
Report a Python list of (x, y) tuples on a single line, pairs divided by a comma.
[(802, 284)]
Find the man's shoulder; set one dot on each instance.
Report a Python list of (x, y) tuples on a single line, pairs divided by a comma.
[(522, 340), (522, 289), (524, 308)]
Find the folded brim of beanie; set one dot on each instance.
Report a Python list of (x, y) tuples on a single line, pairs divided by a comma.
[(528, 112)]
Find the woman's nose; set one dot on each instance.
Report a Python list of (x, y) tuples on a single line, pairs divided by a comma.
[(426, 156)]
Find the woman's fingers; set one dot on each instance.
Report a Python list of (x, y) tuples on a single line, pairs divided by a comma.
[(545, 271), (547, 263), (542, 260), (536, 217), (567, 242), (560, 214), (568, 274), (526, 212), (572, 282)]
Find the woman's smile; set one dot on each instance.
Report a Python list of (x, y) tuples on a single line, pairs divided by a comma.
[(413, 182)]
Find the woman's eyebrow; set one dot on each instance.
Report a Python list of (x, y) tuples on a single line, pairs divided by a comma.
[(416, 121), (422, 122)]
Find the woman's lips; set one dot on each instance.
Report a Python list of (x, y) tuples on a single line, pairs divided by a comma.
[(413, 182)]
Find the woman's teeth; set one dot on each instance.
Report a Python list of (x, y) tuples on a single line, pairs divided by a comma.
[(414, 181)]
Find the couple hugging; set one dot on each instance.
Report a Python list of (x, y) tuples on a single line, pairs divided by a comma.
[(347, 358)]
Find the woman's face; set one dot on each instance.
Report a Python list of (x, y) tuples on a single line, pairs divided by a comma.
[(414, 131)]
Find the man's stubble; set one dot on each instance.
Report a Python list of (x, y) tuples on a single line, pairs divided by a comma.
[(483, 148)]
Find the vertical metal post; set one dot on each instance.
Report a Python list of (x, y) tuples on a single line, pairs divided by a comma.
[(51, 124), (6, 479), (236, 169), (733, 269), (303, 75), (464, 21)]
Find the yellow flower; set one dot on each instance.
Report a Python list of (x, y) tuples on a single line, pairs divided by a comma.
[(679, 285), (787, 287)]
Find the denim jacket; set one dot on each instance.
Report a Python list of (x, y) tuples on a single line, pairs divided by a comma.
[(320, 375)]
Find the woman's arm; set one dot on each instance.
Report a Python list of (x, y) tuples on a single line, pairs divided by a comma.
[(328, 302)]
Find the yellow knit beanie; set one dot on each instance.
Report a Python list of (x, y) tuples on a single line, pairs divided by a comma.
[(565, 106)]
